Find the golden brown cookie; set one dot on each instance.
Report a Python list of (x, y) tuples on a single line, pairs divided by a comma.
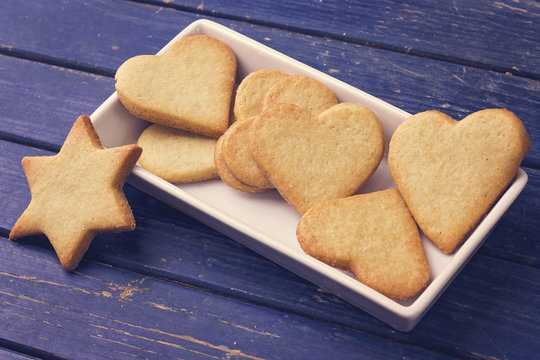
[(225, 174), (189, 87), (310, 159), (251, 91), (268, 86), (302, 91), (77, 193), (176, 155), (238, 158), (372, 235), (451, 172)]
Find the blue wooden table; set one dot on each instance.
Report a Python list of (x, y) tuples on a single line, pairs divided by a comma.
[(176, 289)]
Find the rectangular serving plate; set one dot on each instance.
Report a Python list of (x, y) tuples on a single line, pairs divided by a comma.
[(264, 222)]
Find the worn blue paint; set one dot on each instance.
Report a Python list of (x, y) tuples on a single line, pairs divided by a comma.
[(115, 314), (174, 287), (409, 82), (170, 245), (467, 32)]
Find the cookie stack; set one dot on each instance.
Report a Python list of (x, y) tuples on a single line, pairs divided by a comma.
[(186, 94)]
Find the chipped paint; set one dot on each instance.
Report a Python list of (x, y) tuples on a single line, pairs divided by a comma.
[(250, 330), (100, 337), (500, 5), (20, 316), (458, 78), (34, 258), (97, 316), (128, 290), (16, 305), (228, 351), (122, 332), (47, 282), (167, 308), (401, 68), (51, 324)]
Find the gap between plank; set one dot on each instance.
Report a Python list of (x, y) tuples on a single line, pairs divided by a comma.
[(37, 144), (55, 61), (27, 351)]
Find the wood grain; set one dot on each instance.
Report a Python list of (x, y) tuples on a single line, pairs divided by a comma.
[(167, 244), (176, 288), (411, 83), (465, 32), (46, 100), (114, 314)]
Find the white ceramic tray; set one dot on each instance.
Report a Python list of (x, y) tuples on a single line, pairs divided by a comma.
[(265, 222)]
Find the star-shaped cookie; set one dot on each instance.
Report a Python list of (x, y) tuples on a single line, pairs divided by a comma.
[(77, 193)]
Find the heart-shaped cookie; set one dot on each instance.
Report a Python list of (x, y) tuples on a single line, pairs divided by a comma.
[(451, 172), (374, 236), (251, 91), (300, 90), (265, 86), (189, 87), (310, 158)]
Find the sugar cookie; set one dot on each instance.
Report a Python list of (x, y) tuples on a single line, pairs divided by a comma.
[(77, 193), (251, 91), (177, 156), (189, 87), (238, 158), (310, 158), (225, 174), (451, 172), (300, 90), (374, 236)]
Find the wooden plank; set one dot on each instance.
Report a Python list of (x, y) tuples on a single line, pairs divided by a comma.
[(212, 266), (94, 36), (470, 33), (46, 100), (474, 33), (100, 312), (497, 314), (168, 244), (514, 237)]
